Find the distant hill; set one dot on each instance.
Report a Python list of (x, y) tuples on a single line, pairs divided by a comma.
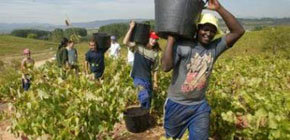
[(249, 23), (253, 23), (7, 28), (99, 23)]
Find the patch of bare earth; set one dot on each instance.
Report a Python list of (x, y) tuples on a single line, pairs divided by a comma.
[(4, 124), (121, 133)]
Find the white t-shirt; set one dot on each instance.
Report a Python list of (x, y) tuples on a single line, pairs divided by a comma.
[(115, 50), (130, 56)]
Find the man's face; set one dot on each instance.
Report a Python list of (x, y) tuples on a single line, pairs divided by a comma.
[(152, 42), (206, 33), (71, 45), (92, 45)]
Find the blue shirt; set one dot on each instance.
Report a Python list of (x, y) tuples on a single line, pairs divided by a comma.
[(96, 61)]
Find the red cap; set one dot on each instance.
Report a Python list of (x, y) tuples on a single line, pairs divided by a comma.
[(153, 35)]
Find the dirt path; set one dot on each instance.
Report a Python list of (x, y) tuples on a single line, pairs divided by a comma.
[(42, 62), (154, 133), (39, 57)]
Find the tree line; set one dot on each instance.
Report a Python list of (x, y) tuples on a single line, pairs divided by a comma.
[(79, 34), (55, 35)]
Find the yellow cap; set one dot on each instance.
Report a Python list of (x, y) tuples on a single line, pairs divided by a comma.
[(211, 19)]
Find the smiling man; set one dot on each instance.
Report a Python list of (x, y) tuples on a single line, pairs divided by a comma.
[(192, 63)]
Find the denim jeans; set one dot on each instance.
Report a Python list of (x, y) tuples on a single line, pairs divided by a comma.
[(178, 118), (26, 85), (144, 92)]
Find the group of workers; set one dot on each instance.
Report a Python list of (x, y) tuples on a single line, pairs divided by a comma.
[(191, 61)]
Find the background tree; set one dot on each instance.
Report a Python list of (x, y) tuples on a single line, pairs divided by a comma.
[(57, 35)]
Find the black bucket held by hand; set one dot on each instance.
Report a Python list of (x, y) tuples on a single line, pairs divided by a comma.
[(136, 119), (103, 40), (140, 33), (177, 17)]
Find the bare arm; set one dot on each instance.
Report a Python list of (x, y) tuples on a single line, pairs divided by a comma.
[(236, 29), (155, 76), (167, 58), (86, 67), (129, 33)]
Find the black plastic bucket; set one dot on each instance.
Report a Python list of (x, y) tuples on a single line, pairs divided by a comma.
[(177, 17), (140, 33), (103, 40), (136, 119)]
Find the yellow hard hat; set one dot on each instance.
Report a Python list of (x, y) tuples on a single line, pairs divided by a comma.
[(211, 19)]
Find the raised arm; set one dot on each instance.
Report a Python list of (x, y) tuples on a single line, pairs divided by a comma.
[(129, 33), (236, 29), (167, 58)]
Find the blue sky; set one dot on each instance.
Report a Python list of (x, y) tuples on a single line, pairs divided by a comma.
[(56, 11)]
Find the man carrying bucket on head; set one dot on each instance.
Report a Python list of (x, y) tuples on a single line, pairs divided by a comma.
[(146, 61), (192, 63), (95, 59)]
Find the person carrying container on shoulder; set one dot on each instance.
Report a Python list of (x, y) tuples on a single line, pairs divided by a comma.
[(95, 60), (27, 65), (192, 63), (145, 63), (72, 56), (115, 48)]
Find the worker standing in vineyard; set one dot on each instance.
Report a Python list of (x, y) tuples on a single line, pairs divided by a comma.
[(72, 57), (192, 63), (115, 48), (145, 63), (62, 57), (95, 60), (61, 54), (27, 65)]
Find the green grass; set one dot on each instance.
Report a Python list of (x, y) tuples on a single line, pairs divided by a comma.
[(262, 42), (12, 47)]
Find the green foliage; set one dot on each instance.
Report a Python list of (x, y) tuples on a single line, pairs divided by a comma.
[(277, 40), (32, 36), (12, 48), (40, 34), (256, 88), (118, 30), (75, 34), (258, 28), (151, 23), (57, 35), (78, 31), (74, 108), (77, 108)]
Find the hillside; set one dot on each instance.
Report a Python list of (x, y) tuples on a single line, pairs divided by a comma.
[(12, 47)]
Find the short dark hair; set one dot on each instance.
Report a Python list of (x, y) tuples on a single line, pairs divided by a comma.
[(70, 41)]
